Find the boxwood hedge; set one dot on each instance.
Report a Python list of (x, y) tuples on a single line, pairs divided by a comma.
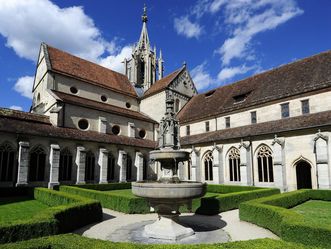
[(273, 213), (64, 215), (71, 241), (120, 202)]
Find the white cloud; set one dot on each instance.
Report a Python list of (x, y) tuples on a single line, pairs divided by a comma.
[(115, 62), (201, 77), (24, 86), (15, 107), (184, 26), (229, 72)]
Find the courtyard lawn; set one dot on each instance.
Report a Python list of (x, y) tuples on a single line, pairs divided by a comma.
[(315, 212), (19, 208)]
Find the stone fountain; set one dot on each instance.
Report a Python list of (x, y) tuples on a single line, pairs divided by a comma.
[(168, 193)]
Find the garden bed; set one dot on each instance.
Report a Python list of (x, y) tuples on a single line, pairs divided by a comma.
[(55, 213), (280, 214)]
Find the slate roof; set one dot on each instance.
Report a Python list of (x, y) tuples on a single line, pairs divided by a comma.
[(315, 120), (72, 99), (163, 83), (303, 76), (29, 124), (64, 63)]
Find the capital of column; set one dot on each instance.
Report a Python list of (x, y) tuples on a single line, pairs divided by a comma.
[(319, 135), (244, 144), (55, 147), (277, 140), (24, 144)]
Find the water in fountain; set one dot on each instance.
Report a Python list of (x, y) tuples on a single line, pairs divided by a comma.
[(168, 193)]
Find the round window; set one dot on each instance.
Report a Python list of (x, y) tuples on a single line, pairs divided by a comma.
[(128, 105), (73, 90), (83, 124), (103, 98), (142, 133), (115, 130)]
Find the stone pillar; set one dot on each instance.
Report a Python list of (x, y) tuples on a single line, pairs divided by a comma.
[(122, 164), (102, 125), (103, 164), (279, 164), (218, 172), (245, 163), (321, 151), (139, 164), (54, 160), (80, 162), (195, 166), (23, 163), (181, 171)]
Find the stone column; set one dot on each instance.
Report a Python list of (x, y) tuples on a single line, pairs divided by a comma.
[(80, 162), (195, 166), (122, 164), (23, 163), (279, 163), (321, 151), (139, 164), (54, 160), (245, 163), (218, 172), (181, 171), (103, 164)]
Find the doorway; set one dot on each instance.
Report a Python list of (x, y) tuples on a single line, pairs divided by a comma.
[(303, 170)]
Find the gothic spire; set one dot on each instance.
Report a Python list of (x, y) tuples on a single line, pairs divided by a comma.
[(144, 40)]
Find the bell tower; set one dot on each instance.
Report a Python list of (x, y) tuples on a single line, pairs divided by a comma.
[(144, 66)]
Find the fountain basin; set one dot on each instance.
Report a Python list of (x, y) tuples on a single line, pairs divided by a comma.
[(156, 190), (165, 154)]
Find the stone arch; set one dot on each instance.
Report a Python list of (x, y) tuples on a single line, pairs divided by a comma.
[(90, 166), (37, 163), (303, 172), (8, 162), (208, 163), (233, 164), (264, 158), (66, 164)]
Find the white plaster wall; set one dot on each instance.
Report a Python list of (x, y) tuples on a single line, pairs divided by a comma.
[(154, 106)]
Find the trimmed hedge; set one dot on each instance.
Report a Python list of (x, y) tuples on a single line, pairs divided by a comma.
[(120, 202), (273, 213), (106, 186), (71, 241), (64, 215), (229, 197)]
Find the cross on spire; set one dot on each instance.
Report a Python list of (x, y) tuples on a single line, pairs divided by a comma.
[(144, 16)]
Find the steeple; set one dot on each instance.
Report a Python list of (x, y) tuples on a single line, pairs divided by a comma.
[(142, 68)]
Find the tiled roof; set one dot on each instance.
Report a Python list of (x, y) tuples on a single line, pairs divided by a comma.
[(72, 99), (316, 120), (11, 123), (306, 75), (163, 83), (13, 114), (73, 66)]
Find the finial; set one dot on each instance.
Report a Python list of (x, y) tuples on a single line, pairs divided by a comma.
[(184, 63), (144, 16)]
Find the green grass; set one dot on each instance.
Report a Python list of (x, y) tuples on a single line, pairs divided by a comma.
[(315, 212), (19, 208)]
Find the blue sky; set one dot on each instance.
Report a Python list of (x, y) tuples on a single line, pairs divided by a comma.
[(221, 41)]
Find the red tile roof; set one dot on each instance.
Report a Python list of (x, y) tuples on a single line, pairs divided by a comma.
[(72, 99), (20, 124), (311, 121), (163, 83), (73, 66), (13, 114), (306, 75)]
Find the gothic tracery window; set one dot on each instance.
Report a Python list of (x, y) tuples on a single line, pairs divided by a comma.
[(89, 166), (265, 164), (65, 165), (7, 162), (208, 164), (234, 164), (37, 164), (145, 169), (111, 168)]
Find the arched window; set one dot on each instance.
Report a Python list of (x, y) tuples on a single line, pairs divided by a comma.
[(37, 164), (145, 168), (89, 166), (7, 162), (111, 168), (234, 164), (177, 105), (208, 163), (265, 164), (128, 168), (65, 165)]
